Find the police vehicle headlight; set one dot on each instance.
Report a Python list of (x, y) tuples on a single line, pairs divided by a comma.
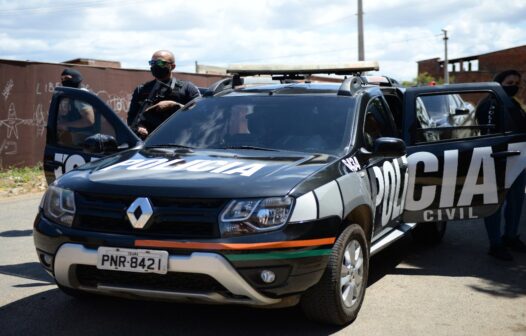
[(254, 215), (58, 205)]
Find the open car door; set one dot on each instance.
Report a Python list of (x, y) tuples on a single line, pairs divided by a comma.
[(81, 128), (458, 167)]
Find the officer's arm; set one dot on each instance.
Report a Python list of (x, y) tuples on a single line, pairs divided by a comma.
[(134, 107), (87, 117), (192, 91)]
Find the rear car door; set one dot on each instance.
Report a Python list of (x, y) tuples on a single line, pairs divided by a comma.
[(460, 169), (74, 115)]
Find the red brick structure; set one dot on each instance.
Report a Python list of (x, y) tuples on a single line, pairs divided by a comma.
[(479, 68), (26, 89)]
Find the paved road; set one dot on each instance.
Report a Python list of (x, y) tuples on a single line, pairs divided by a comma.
[(451, 289)]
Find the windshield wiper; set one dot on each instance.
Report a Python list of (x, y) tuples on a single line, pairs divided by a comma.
[(249, 147)]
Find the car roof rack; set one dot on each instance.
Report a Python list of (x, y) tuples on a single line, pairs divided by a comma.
[(350, 86), (356, 68), (291, 73), (220, 85), (380, 80)]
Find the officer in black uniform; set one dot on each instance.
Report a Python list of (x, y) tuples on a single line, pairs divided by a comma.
[(515, 120), (153, 102)]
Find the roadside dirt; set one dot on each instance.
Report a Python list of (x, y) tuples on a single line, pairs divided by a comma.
[(16, 188)]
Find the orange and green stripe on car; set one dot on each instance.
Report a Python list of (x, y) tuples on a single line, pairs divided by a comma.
[(191, 245), (278, 255), (245, 247)]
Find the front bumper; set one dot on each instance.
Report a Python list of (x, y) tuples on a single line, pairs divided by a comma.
[(212, 276), (70, 255)]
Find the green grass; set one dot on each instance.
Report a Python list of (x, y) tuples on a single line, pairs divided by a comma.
[(16, 181)]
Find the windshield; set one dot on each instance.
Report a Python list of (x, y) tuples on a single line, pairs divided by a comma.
[(315, 124)]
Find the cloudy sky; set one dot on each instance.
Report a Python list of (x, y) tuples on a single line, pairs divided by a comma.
[(397, 32)]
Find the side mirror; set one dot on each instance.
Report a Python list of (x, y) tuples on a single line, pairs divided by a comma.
[(389, 147), (100, 144)]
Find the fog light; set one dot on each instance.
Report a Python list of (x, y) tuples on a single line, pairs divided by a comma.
[(267, 276), (46, 259)]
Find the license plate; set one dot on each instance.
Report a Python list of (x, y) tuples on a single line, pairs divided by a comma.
[(132, 260)]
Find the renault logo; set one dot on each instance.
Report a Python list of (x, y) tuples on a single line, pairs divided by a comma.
[(139, 212)]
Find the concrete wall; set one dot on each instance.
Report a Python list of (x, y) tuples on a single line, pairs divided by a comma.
[(26, 89)]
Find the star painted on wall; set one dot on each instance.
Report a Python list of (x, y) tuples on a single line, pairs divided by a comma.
[(12, 122)]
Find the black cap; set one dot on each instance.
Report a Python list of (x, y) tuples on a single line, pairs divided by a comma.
[(76, 76), (501, 76)]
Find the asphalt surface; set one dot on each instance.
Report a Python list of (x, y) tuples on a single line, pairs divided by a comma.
[(450, 289)]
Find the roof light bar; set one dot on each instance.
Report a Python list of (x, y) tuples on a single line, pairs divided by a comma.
[(306, 69)]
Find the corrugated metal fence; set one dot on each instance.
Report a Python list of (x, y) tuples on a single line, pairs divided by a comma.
[(26, 89)]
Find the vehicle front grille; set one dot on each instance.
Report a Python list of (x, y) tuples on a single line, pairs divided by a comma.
[(180, 218), (91, 276)]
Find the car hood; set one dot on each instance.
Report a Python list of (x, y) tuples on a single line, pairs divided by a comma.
[(196, 174)]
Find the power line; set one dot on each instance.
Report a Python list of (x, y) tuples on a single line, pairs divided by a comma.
[(63, 7), (329, 51)]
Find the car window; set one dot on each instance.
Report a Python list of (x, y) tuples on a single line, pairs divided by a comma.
[(437, 106), (299, 123), (426, 124), (376, 123), (76, 120), (456, 116)]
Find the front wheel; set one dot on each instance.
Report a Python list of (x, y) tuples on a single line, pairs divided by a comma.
[(338, 296)]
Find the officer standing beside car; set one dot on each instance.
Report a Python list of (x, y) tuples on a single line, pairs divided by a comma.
[(501, 244), (154, 101), (76, 119)]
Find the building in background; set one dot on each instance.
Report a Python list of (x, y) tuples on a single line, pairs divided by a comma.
[(479, 68), (94, 62), (26, 89)]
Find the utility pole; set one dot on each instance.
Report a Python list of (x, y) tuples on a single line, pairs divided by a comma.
[(446, 70), (361, 56)]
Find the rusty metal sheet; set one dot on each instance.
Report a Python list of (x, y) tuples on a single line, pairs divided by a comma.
[(26, 89)]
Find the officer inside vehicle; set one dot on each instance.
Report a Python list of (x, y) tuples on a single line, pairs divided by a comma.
[(154, 101)]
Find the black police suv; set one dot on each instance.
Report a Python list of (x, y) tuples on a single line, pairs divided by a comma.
[(266, 195)]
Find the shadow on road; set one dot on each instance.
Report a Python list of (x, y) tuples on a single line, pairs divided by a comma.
[(52, 312), (16, 233), (31, 270), (463, 253)]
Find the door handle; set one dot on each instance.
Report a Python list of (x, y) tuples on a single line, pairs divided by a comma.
[(502, 155)]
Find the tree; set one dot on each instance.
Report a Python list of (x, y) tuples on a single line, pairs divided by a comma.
[(424, 79)]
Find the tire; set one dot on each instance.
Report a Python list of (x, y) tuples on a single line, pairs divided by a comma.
[(336, 299), (429, 233)]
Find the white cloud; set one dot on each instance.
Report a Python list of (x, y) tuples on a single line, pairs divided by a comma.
[(397, 33), (9, 44)]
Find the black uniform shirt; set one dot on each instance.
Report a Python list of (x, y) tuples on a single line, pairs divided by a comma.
[(183, 92), (487, 114)]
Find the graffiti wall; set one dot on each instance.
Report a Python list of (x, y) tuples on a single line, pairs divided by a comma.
[(26, 89)]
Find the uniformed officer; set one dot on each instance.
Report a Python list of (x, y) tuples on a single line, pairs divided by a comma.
[(71, 78), (153, 102), (515, 120), (76, 119)]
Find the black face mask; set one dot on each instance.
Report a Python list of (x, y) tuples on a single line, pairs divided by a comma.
[(71, 83), (511, 90), (160, 72)]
